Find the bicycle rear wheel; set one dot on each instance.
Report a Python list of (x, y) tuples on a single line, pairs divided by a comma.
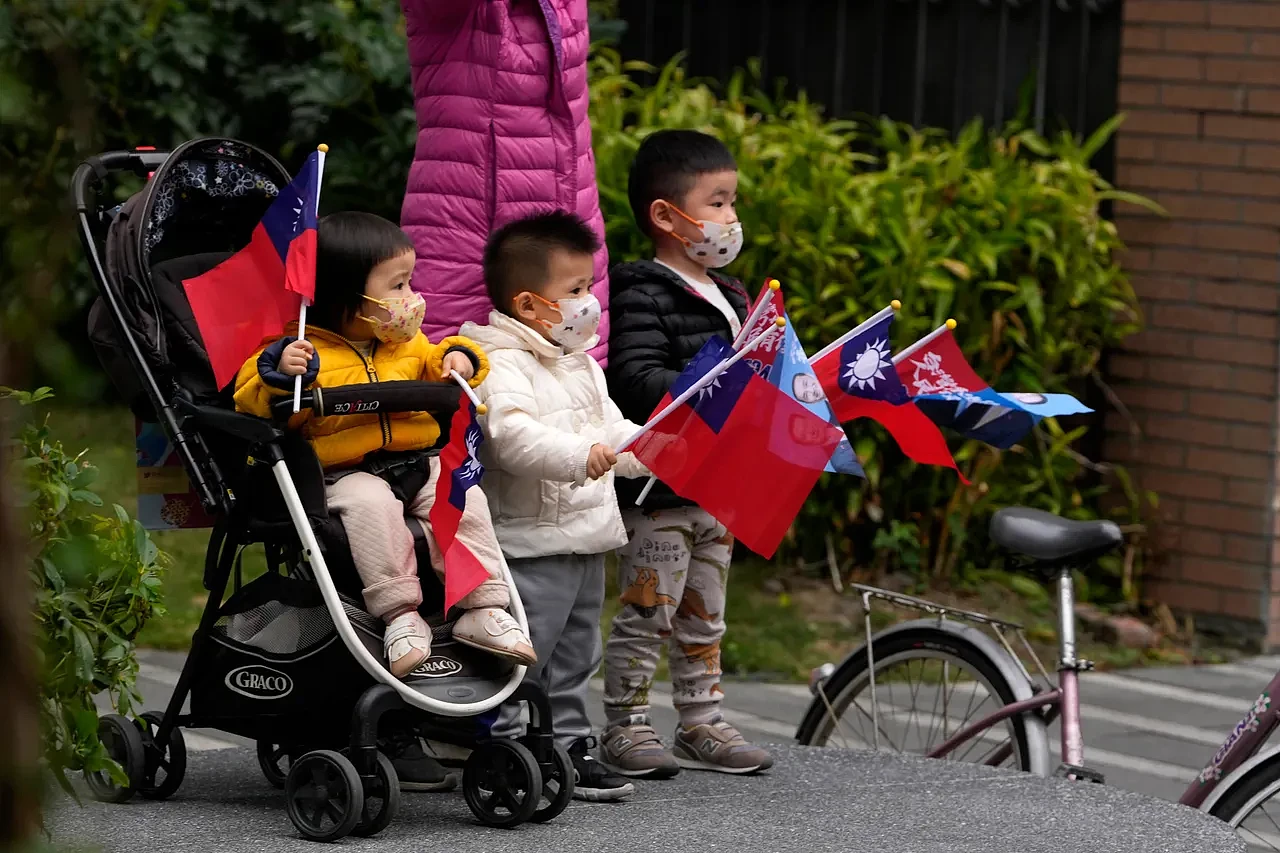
[(929, 685), (1248, 806)]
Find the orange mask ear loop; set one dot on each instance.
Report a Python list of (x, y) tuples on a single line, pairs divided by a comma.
[(695, 223), (546, 302)]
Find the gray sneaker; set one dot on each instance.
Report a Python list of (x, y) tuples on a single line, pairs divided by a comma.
[(720, 747), (633, 748)]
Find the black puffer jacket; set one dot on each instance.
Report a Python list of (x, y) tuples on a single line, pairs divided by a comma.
[(658, 324)]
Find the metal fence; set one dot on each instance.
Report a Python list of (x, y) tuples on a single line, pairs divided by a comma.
[(935, 63)]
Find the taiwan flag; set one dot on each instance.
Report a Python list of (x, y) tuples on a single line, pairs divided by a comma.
[(943, 386), (460, 470), (859, 379), (255, 292), (740, 449)]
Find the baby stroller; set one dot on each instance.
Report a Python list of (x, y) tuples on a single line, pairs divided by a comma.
[(289, 659)]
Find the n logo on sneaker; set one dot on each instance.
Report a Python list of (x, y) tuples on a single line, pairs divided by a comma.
[(710, 745)]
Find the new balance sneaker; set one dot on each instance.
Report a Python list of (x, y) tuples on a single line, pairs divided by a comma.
[(494, 630), (594, 783), (633, 748), (720, 747), (417, 771), (407, 643)]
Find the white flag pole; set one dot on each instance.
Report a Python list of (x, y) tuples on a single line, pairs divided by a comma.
[(894, 306), (703, 382), (481, 408), (756, 314), (925, 341), (321, 150)]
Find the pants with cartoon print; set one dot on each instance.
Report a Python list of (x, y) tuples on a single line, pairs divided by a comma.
[(672, 576)]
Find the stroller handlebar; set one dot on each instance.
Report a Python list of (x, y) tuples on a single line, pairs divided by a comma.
[(94, 169), (374, 398)]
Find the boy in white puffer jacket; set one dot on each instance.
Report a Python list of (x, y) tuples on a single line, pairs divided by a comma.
[(548, 453)]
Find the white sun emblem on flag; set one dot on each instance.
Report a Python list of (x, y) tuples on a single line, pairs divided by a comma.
[(864, 370), (709, 389), (472, 469), (297, 214)]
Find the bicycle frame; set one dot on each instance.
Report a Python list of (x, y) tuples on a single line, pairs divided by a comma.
[(1242, 744)]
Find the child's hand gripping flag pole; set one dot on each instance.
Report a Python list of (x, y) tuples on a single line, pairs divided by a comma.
[(945, 387), (309, 295), (758, 313), (252, 294), (703, 382)]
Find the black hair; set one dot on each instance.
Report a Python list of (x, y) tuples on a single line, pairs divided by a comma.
[(349, 244), (667, 165), (517, 256)]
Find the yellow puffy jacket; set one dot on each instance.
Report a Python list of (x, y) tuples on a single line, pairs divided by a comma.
[(342, 440)]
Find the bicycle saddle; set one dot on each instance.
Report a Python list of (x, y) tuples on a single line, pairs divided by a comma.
[(1051, 539)]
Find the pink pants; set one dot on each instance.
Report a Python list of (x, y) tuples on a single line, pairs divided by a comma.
[(382, 546)]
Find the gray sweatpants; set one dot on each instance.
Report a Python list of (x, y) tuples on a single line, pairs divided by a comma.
[(563, 596)]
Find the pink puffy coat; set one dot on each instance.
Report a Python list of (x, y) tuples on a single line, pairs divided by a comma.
[(500, 89)]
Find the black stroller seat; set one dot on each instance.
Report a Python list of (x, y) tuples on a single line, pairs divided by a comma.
[(290, 659)]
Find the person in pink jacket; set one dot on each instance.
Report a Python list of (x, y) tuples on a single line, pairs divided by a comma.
[(500, 90)]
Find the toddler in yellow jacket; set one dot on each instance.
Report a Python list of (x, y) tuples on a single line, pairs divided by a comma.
[(364, 326)]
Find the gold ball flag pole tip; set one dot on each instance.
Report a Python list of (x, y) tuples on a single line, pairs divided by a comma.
[(482, 409), (780, 322), (774, 284), (895, 305), (951, 324), (322, 148)]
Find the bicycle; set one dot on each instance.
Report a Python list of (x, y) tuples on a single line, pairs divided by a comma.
[(1238, 781)]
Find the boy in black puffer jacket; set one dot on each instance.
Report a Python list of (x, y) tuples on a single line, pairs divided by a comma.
[(672, 573)]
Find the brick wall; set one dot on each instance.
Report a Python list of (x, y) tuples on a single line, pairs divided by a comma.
[(1200, 82)]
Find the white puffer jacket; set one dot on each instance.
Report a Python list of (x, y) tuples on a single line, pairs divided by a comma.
[(546, 409)]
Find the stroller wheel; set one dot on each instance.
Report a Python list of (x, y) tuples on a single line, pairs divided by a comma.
[(381, 800), (502, 783), (274, 759), (123, 743), (323, 795), (557, 785), (166, 763)]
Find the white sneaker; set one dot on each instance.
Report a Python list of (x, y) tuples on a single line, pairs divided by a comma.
[(494, 630), (406, 643)]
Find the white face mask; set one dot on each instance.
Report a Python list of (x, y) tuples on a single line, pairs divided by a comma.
[(720, 243), (579, 319)]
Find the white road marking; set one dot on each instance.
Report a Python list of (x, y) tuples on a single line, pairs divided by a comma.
[(1183, 695)]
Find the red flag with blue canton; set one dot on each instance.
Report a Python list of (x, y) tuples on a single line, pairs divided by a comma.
[(460, 470), (945, 387), (255, 292), (740, 449), (859, 379)]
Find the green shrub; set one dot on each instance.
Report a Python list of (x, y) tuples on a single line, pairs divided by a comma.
[(96, 580), (1001, 230)]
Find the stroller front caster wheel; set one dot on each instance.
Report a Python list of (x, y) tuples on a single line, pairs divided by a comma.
[(557, 785), (166, 763), (274, 760), (502, 783), (381, 800), (323, 796), (124, 745)]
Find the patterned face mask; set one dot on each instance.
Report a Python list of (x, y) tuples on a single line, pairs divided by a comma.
[(720, 243), (579, 319), (405, 315)]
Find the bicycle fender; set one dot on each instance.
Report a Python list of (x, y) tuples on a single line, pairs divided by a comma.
[(1009, 669)]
